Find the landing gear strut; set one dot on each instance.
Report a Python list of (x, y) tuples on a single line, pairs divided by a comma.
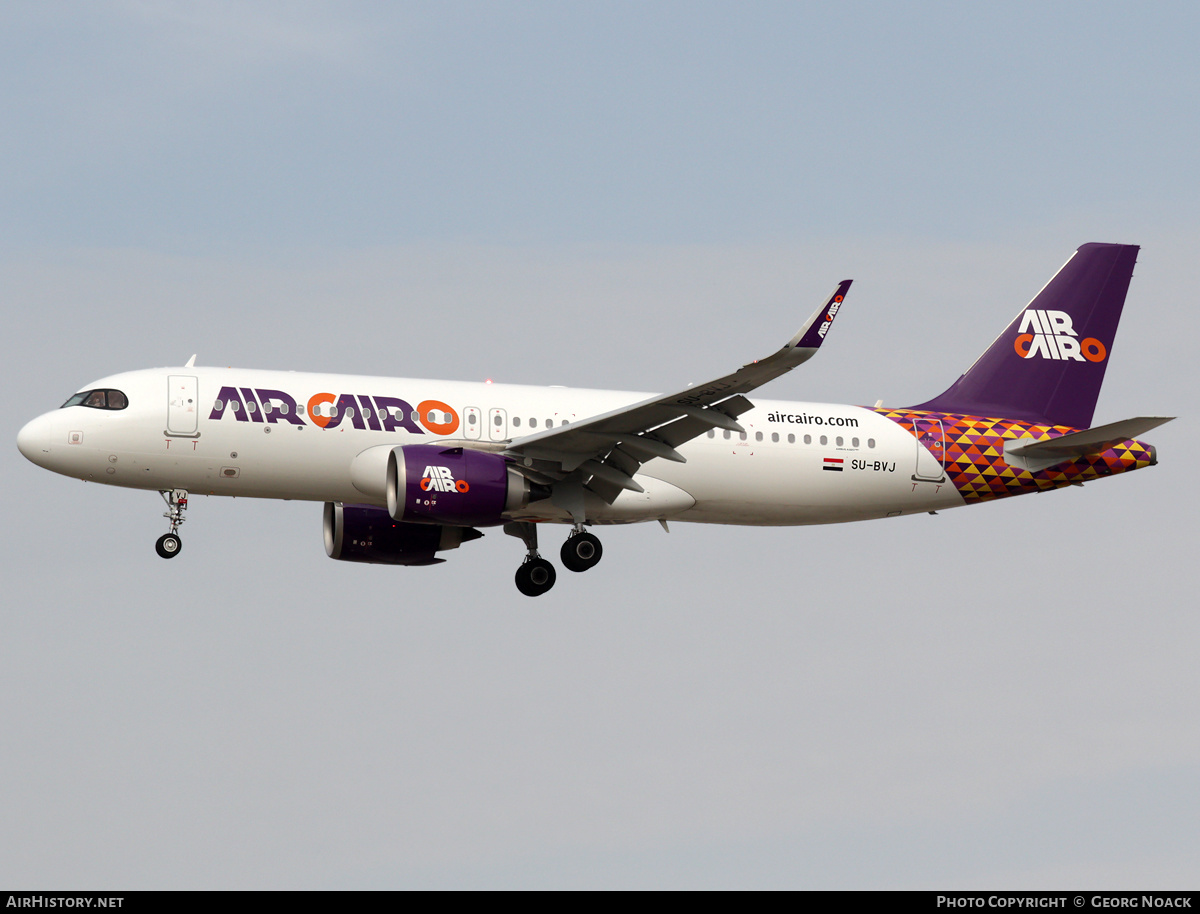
[(581, 551), (169, 544), (536, 575)]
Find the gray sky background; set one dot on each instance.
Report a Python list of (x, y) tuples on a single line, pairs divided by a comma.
[(622, 195)]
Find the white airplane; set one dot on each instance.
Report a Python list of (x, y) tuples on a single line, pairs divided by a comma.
[(411, 468)]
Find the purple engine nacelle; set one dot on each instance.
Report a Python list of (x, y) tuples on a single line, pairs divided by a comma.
[(362, 533), (437, 485)]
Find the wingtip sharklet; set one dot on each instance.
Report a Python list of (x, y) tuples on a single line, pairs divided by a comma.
[(812, 334)]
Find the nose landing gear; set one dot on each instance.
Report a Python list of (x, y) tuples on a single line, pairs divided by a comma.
[(169, 544)]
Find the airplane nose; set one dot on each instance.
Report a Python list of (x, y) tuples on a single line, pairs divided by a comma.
[(34, 441)]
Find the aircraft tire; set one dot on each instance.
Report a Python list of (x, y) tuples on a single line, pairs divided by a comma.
[(581, 551), (168, 545), (535, 577)]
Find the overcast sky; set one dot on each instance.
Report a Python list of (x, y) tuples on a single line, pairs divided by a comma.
[(618, 195)]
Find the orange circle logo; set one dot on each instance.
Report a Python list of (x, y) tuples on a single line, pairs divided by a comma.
[(1021, 344), (1093, 350), (313, 402), (438, 428)]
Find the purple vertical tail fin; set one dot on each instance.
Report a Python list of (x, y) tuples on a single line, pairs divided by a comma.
[(1048, 365)]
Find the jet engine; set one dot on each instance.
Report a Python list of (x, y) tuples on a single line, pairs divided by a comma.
[(362, 533), (431, 484)]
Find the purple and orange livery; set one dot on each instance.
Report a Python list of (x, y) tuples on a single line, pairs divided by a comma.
[(972, 454), (1047, 366), (1042, 375)]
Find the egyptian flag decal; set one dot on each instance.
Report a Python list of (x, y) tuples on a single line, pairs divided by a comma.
[(834, 464)]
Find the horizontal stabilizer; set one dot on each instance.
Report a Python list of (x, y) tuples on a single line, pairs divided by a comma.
[(1040, 454)]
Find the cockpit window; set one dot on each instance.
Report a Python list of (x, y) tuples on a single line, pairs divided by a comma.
[(98, 399)]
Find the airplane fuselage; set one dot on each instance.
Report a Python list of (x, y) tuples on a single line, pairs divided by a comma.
[(292, 435)]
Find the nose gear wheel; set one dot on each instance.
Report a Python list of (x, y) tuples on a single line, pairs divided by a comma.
[(169, 544)]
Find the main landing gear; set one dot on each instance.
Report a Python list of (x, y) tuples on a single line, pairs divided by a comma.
[(580, 552), (536, 575), (169, 544)]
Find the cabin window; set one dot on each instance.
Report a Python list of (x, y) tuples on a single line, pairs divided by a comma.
[(871, 442), (840, 440), (712, 433), (497, 420), (775, 437), (533, 423), (470, 418), (791, 439), (854, 441), (824, 440), (758, 436), (516, 421), (808, 439), (742, 435)]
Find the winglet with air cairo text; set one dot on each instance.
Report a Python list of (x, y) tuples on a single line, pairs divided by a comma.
[(813, 333)]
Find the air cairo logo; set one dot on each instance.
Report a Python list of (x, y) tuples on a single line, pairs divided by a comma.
[(324, 410), (1049, 335), (833, 310), (440, 479)]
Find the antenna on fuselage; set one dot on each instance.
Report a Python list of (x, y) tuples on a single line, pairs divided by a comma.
[(190, 362)]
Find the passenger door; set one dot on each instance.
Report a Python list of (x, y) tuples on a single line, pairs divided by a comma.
[(183, 418)]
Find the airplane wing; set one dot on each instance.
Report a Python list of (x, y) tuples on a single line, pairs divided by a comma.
[(607, 450)]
